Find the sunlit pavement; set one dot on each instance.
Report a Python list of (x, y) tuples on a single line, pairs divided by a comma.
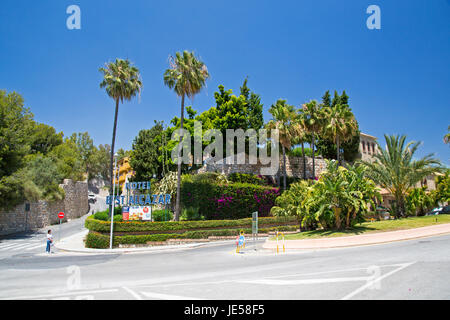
[(413, 269)]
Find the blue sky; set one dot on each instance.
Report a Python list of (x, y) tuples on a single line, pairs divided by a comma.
[(397, 78)]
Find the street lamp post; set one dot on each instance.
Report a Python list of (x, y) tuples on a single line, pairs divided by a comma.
[(113, 204)]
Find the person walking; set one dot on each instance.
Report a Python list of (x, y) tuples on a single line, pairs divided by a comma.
[(49, 241)]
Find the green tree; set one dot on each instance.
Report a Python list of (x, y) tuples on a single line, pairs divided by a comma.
[(417, 201), (67, 159), (447, 136), (186, 76), (16, 123), (313, 119), (395, 169), (283, 118), (86, 150), (121, 80), (341, 125), (44, 138), (255, 118), (146, 159), (326, 146)]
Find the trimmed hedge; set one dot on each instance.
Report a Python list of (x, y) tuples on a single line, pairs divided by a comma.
[(231, 201), (161, 227), (101, 241)]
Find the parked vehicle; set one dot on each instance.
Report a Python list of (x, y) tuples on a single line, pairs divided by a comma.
[(434, 212), (445, 210)]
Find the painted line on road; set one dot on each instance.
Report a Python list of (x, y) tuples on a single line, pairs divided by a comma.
[(162, 296), (35, 247), (304, 281), (134, 294), (61, 294), (371, 283)]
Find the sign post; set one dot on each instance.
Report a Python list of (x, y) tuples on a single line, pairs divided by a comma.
[(60, 216), (255, 227)]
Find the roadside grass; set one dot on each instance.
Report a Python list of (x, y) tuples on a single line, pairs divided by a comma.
[(372, 227)]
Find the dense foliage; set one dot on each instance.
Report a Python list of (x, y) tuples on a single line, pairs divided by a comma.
[(338, 199), (228, 201)]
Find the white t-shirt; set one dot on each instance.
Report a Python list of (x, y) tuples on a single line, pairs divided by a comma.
[(49, 236)]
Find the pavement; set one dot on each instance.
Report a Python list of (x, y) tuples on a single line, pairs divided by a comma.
[(408, 270), (75, 243), (360, 240)]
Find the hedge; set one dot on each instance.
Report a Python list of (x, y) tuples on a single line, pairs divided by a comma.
[(101, 241), (230, 201), (161, 227)]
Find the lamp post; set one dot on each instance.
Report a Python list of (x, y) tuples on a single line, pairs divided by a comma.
[(113, 204)]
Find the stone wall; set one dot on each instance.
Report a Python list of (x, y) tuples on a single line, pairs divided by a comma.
[(43, 213), (294, 167)]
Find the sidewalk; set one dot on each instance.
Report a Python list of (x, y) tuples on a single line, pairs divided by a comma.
[(75, 243), (360, 240)]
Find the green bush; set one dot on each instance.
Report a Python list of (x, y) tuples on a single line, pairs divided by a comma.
[(191, 214), (101, 241), (162, 215), (101, 215), (182, 226), (104, 215), (246, 178), (228, 201)]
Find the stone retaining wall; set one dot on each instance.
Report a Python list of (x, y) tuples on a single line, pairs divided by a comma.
[(43, 213), (294, 167)]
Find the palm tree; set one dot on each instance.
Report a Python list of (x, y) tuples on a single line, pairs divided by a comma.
[(283, 118), (301, 136), (186, 76), (447, 136), (395, 170), (341, 125), (122, 81), (313, 119)]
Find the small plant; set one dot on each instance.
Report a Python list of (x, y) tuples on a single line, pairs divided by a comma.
[(162, 215), (191, 213)]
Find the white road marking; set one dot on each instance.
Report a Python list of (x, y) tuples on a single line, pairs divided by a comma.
[(35, 247), (161, 296), (304, 281), (65, 294), (19, 247), (134, 294), (371, 283)]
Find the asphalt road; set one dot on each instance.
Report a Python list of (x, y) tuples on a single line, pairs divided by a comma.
[(414, 269)]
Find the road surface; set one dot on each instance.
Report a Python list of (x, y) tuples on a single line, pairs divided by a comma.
[(414, 269)]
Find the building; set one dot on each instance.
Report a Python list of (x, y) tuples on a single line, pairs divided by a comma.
[(367, 147), (125, 172)]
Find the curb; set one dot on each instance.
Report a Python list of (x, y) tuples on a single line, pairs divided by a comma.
[(271, 244)]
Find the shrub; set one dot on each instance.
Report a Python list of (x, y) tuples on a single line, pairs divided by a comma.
[(101, 241), (191, 213), (230, 201), (101, 215), (162, 215), (182, 226), (246, 178)]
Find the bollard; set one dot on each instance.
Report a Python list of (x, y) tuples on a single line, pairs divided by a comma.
[(284, 247), (278, 250)]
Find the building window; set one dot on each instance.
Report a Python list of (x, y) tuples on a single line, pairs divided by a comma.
[(363, 146)]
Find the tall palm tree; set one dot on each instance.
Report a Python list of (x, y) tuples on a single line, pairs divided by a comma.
[(313, 119), (447, 136), (283, 119), (395, 169), (186, 76), (301, 136), (121, 81), (341, 125)]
